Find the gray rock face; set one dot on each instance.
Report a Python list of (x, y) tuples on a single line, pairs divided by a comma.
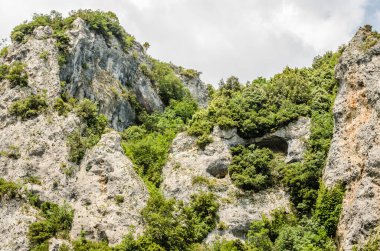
[(290, 139), (14, 221), (190, 170), (101, 71), (106, 174), (90, 189), (354, 155), (197, 88)]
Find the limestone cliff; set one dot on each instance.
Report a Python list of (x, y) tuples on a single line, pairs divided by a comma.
[(104, 73), (354, 154), (190, 170)]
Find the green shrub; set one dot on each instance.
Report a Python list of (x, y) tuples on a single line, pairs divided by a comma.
[(29, 107), (199, 124), (86, 245), (8, 189), (168, 84), (44, 55), (56, 219), (3, 71), (250, 167), (175, 226), (189, 73), (17, 75), (87, 136), (263, 233), (40, 231), (224, 245), (4, 52), (307, 235), (119, 199), (62, 107)]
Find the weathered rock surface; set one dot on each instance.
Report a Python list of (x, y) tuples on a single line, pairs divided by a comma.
[(16, 216), (101, 71), (354, 157), (106, 174), (190, 170), (290, 139)]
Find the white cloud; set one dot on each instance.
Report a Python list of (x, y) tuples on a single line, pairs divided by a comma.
[(246, 38)]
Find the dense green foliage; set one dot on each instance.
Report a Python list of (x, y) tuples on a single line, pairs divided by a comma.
[(55, 219), (29, 107), (169, 86), (172, 225), (284, 232), (17, 75), (250, 167), (302, 179), (148, 145), (328, 207), (89, 133)]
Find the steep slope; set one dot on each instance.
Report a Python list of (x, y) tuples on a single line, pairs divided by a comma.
[(39, 95), (354, 154)]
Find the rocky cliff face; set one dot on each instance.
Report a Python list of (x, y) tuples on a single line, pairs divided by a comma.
[(354, 155), (104, 189), (191, 170)]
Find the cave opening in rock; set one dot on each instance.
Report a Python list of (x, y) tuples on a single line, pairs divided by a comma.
[(274, 143)]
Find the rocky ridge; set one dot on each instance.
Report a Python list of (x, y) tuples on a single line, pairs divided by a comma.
[(354, 153)]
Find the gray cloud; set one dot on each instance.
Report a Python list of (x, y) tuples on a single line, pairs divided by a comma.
[(246, 38)]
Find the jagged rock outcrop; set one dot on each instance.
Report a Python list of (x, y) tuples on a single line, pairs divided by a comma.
[(190, 170), (100, 70), (109, 195), (354, 157)]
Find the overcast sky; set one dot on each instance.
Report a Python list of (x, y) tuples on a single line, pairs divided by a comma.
[(245, 38)]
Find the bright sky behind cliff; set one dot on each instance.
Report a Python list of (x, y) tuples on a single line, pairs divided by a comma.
[(245, 38)]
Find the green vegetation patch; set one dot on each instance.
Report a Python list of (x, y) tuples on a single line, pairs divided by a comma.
[(29, 107), (148, 145), (8, 189), (250, 168), (89, 133), (56, 219), (15, 73)]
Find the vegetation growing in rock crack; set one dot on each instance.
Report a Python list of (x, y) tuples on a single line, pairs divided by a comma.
[(89, 132), (147, 145)]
